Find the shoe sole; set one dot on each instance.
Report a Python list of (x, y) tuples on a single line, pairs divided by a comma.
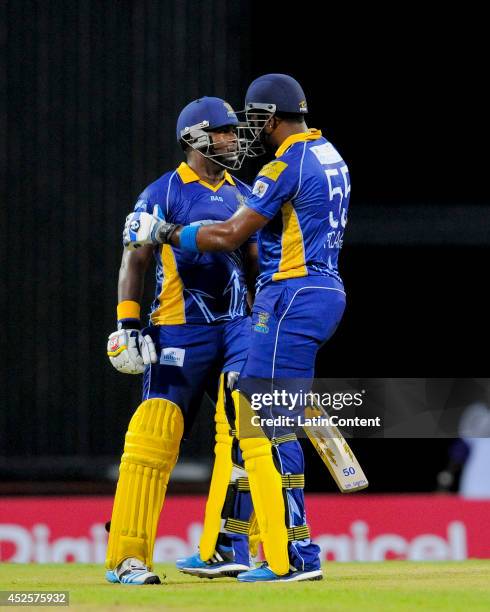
[(153, 580), (230, 572), (112, 578), (149, 580), (303, 577)]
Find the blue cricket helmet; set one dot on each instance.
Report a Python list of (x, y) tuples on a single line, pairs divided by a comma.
[(205, 114), (267, 95), (276, 93)]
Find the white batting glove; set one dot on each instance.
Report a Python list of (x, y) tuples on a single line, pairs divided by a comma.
[(129, 351), (232, 379), (142, 229)]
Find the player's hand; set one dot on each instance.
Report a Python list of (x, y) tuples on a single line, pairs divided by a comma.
[(142, 229), (130, 351)]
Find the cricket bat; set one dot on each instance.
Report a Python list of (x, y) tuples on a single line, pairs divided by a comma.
[(337, 455)]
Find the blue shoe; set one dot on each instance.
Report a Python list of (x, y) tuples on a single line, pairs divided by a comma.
[(221, 565), (132, 571), (265, 574)]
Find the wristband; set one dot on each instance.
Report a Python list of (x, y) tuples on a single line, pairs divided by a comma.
[(188, 238), (128, 315), (128, 310)]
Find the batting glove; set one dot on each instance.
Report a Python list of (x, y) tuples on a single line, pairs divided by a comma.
[(142, 229), (130, 351)]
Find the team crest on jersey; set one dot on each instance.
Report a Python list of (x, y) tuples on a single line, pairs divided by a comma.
[(260, 188), (273, 169), (262, 326)]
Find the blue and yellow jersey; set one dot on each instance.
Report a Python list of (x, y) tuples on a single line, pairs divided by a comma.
[(196, 287), (305, 194)]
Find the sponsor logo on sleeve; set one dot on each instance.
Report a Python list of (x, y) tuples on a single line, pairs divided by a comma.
[(273, 169), (260, 188)]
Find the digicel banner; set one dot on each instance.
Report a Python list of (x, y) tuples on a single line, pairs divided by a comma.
[(347, 528)]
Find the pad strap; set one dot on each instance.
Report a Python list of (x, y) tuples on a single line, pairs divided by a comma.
[(293, 481), (282, 439), (243, 527), (233, 525), (289, 481), (298, 533)]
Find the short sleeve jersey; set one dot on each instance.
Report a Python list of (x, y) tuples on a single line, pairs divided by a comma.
[(305, 193), (192, 287)]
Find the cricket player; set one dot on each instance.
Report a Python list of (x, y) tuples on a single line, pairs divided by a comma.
[(299, 206), (198, 328)]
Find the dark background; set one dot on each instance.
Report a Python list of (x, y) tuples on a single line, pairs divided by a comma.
[(90, 95)]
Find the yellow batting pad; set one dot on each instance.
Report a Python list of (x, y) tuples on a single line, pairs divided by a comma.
[(267, 493), (150, 453), (254, 535), (267, 496), (220, 479), (273, 170)]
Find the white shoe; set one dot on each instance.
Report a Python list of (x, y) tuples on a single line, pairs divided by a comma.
[(132, 571)]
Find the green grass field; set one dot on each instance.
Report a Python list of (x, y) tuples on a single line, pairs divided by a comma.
[(347, 586)]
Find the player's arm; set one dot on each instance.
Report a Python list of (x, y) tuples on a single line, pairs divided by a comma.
[(263, 203), (142, 229), (134, 265), (226, 236), (130, 351)]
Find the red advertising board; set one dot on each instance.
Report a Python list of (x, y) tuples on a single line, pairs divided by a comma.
[(347, 528)]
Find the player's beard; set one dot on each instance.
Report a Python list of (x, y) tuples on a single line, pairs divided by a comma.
[(227, 158), (265, 141)]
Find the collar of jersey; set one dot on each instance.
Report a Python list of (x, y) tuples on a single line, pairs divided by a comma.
[(188, 175), (311, 134)]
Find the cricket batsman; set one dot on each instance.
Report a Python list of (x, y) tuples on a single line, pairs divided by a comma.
[(199, 328), (299, 206)]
